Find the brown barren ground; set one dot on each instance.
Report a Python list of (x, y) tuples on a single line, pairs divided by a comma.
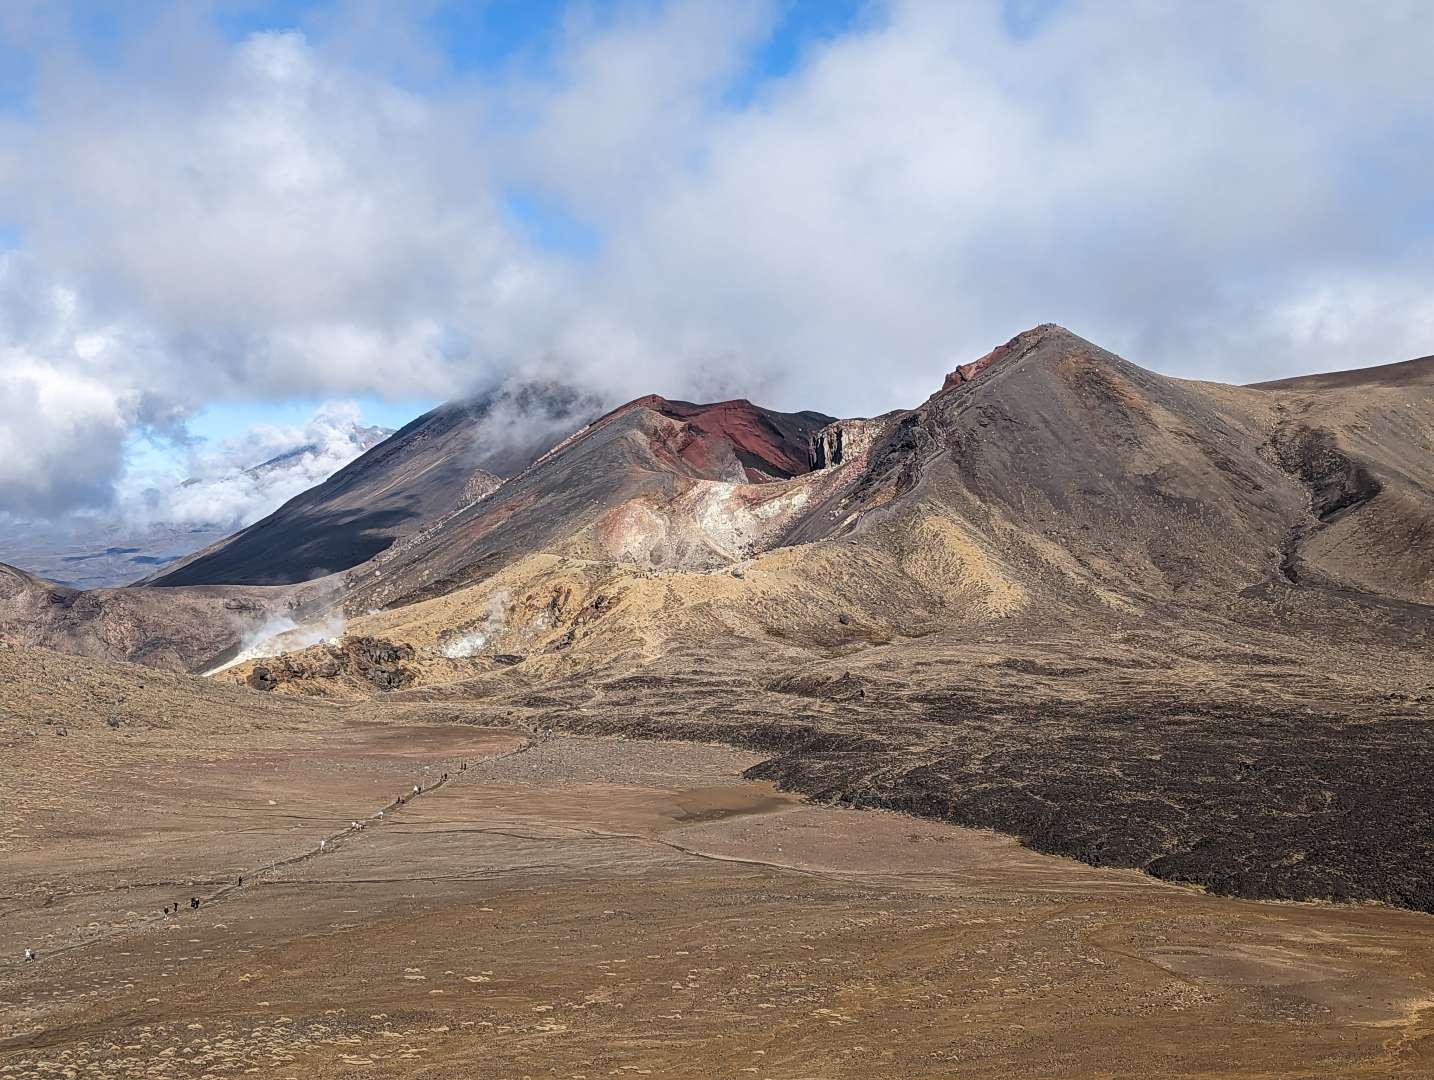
[(591, 907)]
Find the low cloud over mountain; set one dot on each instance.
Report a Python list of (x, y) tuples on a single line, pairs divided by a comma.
[(226, 490), (159, 519)]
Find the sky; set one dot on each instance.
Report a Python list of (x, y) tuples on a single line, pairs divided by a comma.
[(229, 219)]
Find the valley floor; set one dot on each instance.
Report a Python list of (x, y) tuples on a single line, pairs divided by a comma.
[(579, 907)]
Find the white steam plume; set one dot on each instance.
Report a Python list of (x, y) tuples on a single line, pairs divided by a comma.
[(460, 645), (280, 634)]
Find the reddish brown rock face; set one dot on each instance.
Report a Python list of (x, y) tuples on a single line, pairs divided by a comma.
[(967, 372), (769, 445)]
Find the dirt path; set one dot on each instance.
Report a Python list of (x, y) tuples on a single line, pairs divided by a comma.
[(79, 890)]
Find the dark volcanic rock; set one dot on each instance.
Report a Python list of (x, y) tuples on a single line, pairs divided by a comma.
[(843, 687), (1281, 806), (261, 679), (381, 664)]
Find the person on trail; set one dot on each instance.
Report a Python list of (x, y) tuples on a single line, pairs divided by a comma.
[(29, 954), (241, 879), (166, 910), (323, 845), (194, 903), (417, 789)]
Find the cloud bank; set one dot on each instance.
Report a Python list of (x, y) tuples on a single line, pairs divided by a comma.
[(241, 480), (1223, 190)]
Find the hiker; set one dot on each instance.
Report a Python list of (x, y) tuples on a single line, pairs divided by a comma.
[(194, 903), (323, 845), (417, 790), (29, 954), (241, 879), (166, 910)]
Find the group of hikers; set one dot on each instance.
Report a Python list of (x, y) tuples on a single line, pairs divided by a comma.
[(194, 901)]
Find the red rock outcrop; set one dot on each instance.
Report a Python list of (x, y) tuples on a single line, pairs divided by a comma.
[(965, 373), (769, 445)]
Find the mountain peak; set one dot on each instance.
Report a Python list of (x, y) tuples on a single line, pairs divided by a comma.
[(1051, 336)]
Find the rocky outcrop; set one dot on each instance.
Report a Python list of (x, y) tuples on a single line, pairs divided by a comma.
[(478, 486), (826, 447), (368, 660), (840, 442), (1335, 481), (965, 373)]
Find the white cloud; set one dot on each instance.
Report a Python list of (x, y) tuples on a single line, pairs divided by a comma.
[(1225, 190), (61, 435), (243, 479), (65, 407), (1158, 177)]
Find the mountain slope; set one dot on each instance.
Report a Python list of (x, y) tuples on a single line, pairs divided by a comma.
[(1407, 373), (604, 493), (427, 469), (1362, 442)]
